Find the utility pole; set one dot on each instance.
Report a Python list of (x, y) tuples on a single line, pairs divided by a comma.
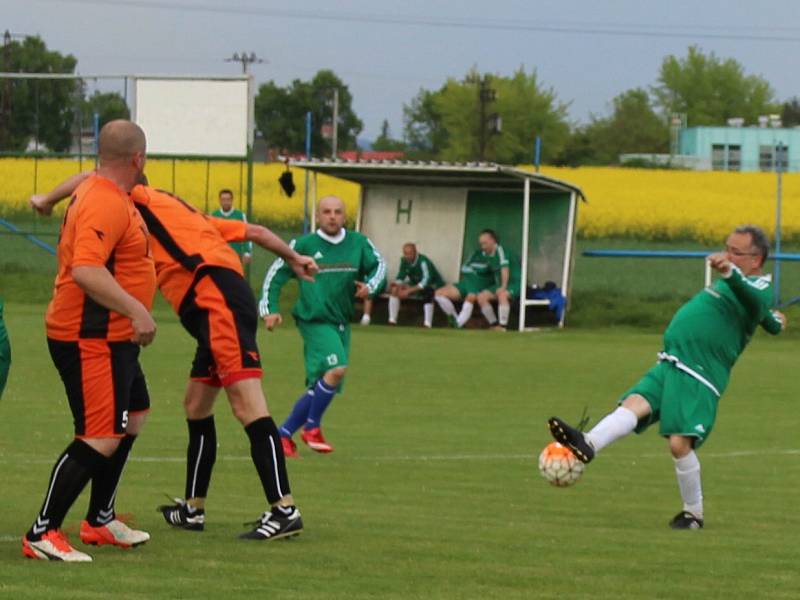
[(335, 141), (488, 125), (245, 59)]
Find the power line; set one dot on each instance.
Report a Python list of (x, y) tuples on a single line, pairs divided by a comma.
[(613, 30)]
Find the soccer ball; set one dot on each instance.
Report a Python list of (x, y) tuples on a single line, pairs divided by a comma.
[(559, 465)]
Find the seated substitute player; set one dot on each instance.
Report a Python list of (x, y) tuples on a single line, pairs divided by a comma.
[(97, 319), (478, 274), (201, 277), (505, 291), (349, 266), (701, 344), (418, 277)]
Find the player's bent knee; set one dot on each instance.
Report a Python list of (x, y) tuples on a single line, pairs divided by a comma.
[(637, 405), (680, 445), (335, 376)]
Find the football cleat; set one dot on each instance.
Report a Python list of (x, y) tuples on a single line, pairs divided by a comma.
[(183, 516), (289, 447), (116, 533), (686, 520), (53, 545), (276, 524), (572, 438), (314, 440)]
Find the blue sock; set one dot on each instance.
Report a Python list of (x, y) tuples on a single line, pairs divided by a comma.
[(298, 415), (323, 394)]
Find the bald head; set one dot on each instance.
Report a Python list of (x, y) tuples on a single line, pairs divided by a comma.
[(119, 141), (330, 214)]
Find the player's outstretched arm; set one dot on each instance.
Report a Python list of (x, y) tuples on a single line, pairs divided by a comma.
[(277, 276), (774, 322), (304, 267), (44, 203)]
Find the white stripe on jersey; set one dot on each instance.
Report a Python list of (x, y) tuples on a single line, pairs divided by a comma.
[(263, 305)]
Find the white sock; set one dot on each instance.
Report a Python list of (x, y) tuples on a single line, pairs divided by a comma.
[(465, 314), (446, 305), (488, 312), (365, 319), (687, 470), (612, 427), (394, 308), (427, 309), (503, 310)]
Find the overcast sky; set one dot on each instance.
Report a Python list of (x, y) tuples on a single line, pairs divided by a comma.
[(588, 51)]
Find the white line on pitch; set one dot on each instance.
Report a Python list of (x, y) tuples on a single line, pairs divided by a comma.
[(441, 457)]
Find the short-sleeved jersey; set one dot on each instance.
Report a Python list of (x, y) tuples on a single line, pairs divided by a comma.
[(184, 240), (342, 260), (711, 330), (514, 271), (234, 214), (421, 271), (101, 228)]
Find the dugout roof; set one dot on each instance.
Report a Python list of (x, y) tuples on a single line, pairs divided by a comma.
[(475, 175)]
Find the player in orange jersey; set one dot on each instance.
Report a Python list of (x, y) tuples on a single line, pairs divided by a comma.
[(202, 278), (97, 320)]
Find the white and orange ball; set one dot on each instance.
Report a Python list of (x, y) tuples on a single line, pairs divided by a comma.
[(559, 465)]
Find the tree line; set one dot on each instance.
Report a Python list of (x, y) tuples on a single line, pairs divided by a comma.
[(480, 116)]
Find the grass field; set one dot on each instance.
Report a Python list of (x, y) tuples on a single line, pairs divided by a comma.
[(433, 490)]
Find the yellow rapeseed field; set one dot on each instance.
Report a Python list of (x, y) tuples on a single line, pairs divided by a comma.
[(197, 182), (665, 204), (641, 203)]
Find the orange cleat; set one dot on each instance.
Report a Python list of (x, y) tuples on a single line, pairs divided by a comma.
[(53, 545), (115, 533)]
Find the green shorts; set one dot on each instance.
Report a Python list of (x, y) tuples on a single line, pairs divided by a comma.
[(325, 347), (682, 404), (5, 355), (466, 286)]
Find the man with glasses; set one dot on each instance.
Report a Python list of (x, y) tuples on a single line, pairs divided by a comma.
[(701, 344)]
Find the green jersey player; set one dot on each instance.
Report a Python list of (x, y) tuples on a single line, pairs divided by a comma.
[(226, 211), (485, 277), (417, 277), (349, 266), (5, 352), (701, 345)]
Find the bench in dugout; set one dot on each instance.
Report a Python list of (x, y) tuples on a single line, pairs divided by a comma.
[(540, 310)]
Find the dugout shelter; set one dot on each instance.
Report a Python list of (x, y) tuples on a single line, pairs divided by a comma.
[(442, 207)]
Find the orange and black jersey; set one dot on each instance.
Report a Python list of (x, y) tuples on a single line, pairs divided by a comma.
[(101, 228), (184, 240)]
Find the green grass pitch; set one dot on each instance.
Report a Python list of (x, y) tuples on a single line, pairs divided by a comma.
[(433, 490)]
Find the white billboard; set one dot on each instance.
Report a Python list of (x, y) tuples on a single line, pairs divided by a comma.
[(194, 116)]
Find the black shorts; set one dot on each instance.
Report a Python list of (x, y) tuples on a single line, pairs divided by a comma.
[(219, 311), (104, 384)]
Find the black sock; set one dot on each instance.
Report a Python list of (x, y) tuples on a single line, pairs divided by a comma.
[(200, 456), (267, 453), (105, 484), (72, 471)]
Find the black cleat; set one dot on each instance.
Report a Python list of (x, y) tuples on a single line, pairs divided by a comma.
[(276, 524), (183, 516), (686, 520), (572, 438)]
